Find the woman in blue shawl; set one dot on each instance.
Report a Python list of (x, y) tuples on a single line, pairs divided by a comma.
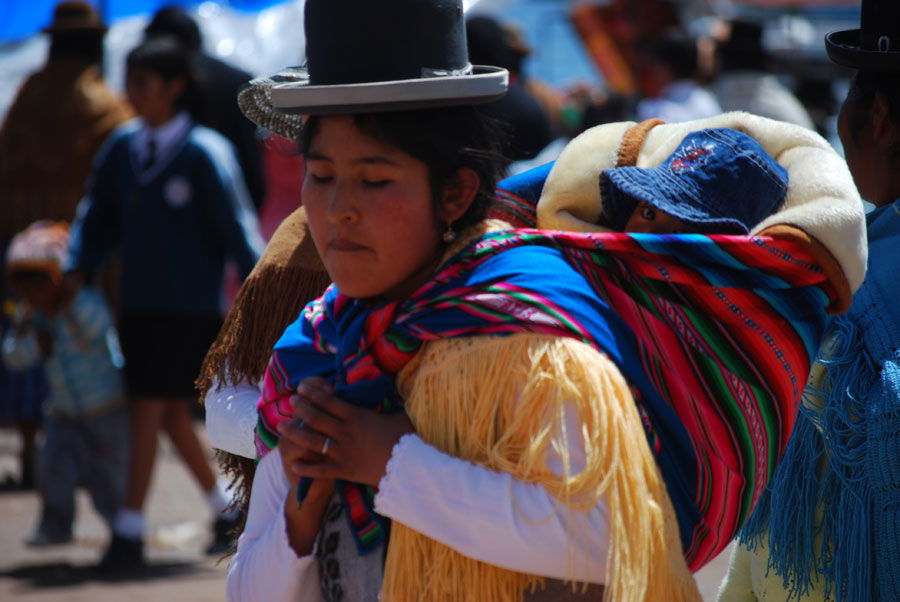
[(555, 436)]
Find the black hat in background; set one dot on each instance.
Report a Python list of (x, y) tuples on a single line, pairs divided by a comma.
[(743, 49), (173, 21), (493, 43), (367, 56), (875, 46), (74, 15)]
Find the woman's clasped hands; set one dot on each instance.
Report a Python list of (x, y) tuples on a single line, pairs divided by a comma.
[(333, 439)]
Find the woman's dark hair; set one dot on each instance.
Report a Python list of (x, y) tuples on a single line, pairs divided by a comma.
[(445, 139), (863, 88), (166, 57), (82, 45)]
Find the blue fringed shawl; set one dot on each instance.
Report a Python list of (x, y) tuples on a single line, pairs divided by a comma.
[(832, 511)]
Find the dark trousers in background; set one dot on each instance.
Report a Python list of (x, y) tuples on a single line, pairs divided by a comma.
[(87, 451)]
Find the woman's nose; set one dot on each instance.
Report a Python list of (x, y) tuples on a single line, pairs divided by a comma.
[(342, 208)]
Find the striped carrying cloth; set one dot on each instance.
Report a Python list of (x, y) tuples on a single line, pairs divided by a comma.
[(714, 334)]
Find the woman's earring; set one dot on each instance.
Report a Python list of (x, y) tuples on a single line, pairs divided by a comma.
[(449, 234)]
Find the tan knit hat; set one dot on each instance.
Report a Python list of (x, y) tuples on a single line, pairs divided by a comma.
[(43, 246)]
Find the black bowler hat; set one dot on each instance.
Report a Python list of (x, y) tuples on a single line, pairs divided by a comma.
[(369, 56), (75, 15), (875, 46)]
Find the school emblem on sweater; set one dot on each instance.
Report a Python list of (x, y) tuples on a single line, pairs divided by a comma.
[(177, 192)]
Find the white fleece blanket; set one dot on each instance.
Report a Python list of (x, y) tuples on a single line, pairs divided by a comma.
[(822, 199)]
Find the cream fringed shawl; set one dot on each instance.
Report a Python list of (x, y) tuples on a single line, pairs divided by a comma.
[(505, 415)]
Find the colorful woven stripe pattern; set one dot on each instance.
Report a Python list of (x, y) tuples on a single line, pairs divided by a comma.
[(714, 333), (515, 201)]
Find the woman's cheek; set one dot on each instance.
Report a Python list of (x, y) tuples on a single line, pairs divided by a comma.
[(316, 217)]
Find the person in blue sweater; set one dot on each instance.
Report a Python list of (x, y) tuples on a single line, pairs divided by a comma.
[(169, 196)]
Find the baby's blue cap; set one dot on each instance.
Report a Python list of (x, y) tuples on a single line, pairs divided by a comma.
[(717, 181)]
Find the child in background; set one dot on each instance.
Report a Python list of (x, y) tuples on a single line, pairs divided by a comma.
[(86, 427), (169, 194), (718, 181)]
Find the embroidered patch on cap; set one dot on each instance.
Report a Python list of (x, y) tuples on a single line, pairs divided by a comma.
[(689, 157)]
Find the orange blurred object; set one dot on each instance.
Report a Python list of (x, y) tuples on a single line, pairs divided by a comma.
[(594, 30)]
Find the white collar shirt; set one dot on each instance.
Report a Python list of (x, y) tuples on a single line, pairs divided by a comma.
[(163, 137)]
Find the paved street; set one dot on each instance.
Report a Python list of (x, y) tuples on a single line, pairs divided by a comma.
[(178, 571)]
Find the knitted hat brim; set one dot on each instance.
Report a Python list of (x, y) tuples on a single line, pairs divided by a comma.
[(843, 48), (276, 103), (51, 267)]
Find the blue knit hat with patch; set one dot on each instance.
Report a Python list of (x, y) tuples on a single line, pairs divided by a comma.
[(717, 181)]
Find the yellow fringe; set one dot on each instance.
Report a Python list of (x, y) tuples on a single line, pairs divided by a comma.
[(503, 415)]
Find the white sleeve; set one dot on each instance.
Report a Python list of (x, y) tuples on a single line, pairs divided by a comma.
[(491, 516), (265, 568), (231, 418)]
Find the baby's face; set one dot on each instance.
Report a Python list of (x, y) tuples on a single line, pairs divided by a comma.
[(647, 218)]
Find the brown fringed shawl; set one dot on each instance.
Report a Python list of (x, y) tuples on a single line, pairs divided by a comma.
[(286, 278)]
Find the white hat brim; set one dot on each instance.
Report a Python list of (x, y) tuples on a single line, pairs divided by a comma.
[(278, 102), (484, 84)]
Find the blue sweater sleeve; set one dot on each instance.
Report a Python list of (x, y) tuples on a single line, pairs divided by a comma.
[(230, 211), (97, 226), (89, 317)]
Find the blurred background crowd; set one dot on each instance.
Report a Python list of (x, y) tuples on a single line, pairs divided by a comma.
[(68, 86)]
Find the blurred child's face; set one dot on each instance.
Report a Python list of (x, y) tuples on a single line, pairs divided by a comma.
[(648, 219), (37, 289), (152, 97)]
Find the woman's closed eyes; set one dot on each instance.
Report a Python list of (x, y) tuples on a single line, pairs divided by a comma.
[(366, 183), (376, 183)]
